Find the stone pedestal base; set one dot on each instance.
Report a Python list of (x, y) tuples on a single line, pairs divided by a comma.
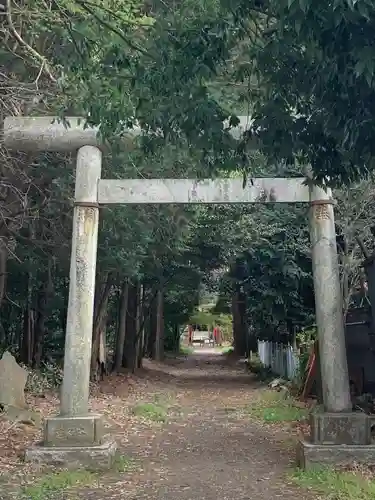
[(337, 439), (98, 457), (74, 442), (86, 430), (310, 455), (340, 428)]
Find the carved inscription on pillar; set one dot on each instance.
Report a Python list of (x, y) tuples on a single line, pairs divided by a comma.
[(321, 212)]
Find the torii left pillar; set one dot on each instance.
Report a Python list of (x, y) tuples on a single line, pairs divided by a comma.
[(75, 437)]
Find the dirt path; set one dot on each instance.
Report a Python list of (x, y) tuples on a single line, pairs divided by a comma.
[(205, 451), (206, 447)]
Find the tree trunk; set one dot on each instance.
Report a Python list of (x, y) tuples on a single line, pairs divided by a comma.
[(244, 335), (235, 316), (151, 324), (27, 339), (129, 359), (3, 268), (44, 296), (176, 336), (159, 340), (102, 293), (121, 332), (147, 332), (102, 355), (141, 327), (239, 339)]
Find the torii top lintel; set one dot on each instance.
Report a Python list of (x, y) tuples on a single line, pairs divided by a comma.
[(46, 133)]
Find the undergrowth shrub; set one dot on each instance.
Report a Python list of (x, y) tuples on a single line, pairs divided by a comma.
[(262, 372), (48, 378)]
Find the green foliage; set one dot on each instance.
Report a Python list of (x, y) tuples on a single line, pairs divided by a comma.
[(306, 337), (185, 350), (272, 267), (179, 71), (273, 407), (262, 372), (49, 377), (278, 271), (57, 483), (171, 336), (151, 411), (293, 44), (336, 484), (211, 319), (226, 350), (123, 463)]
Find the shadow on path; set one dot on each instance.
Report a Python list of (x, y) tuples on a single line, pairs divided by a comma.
[(204, 367)]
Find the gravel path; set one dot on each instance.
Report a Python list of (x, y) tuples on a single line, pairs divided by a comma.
[(206, 451)]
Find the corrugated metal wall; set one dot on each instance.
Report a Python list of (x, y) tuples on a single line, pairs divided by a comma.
[(282, 360)]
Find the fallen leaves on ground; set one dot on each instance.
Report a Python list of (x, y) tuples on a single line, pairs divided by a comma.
[(193, 393)]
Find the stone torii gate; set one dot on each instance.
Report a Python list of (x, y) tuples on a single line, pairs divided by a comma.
[(75, 436)]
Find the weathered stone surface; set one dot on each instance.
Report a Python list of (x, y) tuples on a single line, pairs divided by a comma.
[(310, 455), (73, 431), (98, 457), (12, 382), (79, 323), (224, 190), (340, 428), (46, 133), (328, 306)]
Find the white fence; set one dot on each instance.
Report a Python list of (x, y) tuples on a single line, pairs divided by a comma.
[(280, 358)]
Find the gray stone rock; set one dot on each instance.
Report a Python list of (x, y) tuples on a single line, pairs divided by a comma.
[(277, 382), (12, 382)]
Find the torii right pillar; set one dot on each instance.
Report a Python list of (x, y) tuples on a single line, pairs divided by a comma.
[(339, 435)]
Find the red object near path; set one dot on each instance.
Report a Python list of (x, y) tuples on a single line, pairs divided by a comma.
[(217, 338), (356, 375), (311, 373)]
